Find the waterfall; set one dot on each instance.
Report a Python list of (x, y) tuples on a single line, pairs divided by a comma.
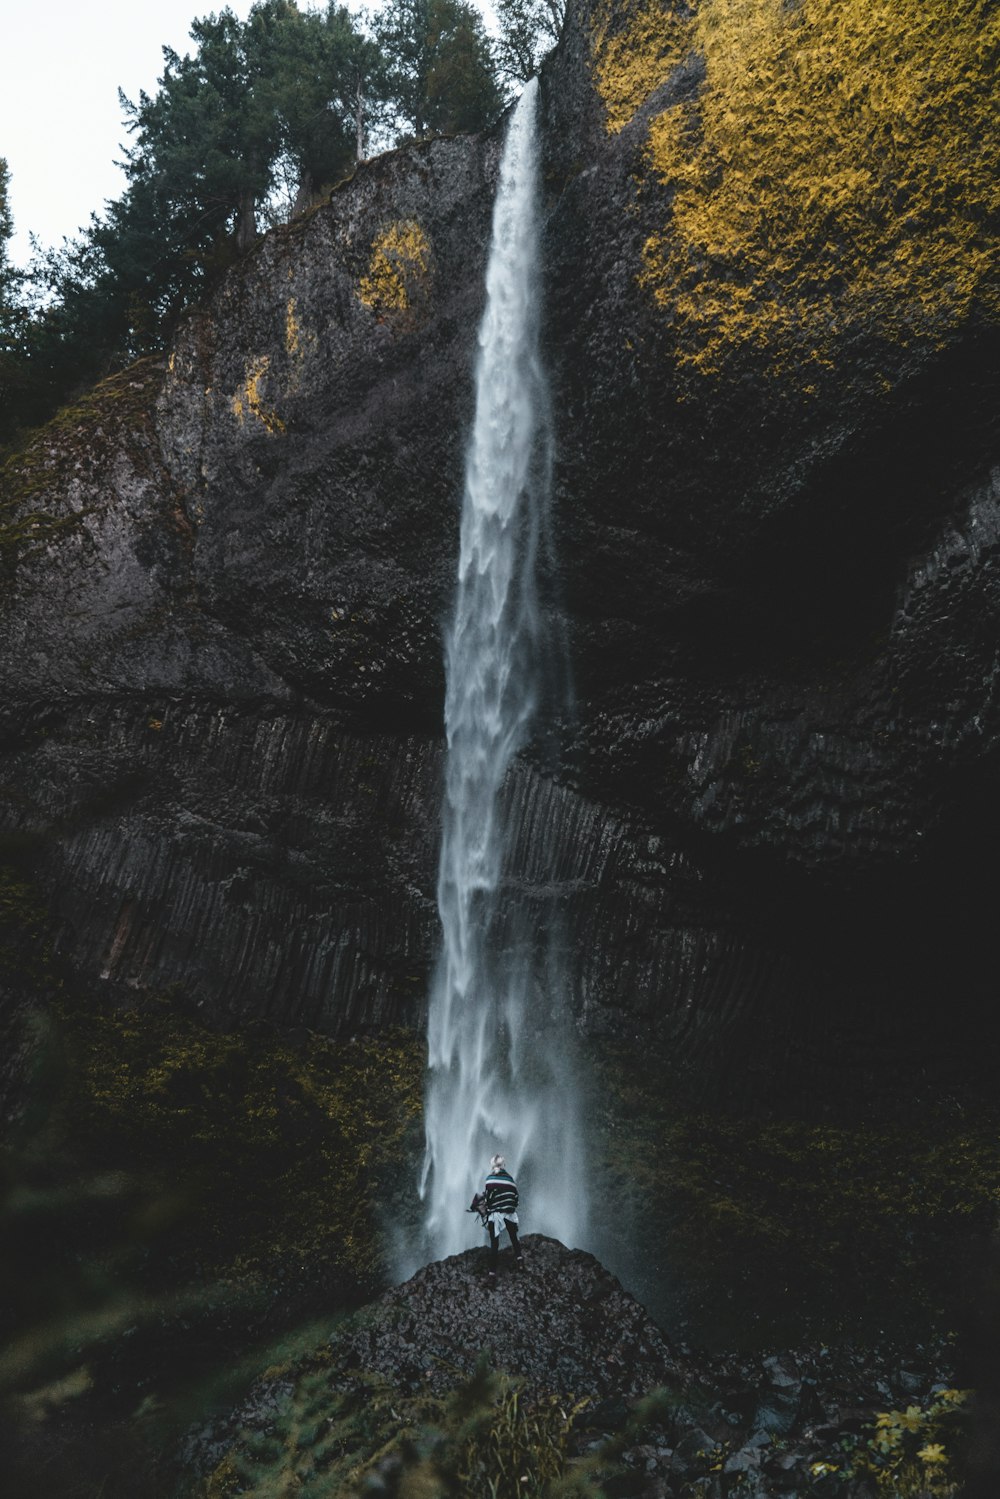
[(500, 1071)]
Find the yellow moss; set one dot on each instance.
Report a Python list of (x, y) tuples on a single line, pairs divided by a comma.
[(298, 343), (839, 168), (633, 48), (248, 398), (293, 330), (399, 271)]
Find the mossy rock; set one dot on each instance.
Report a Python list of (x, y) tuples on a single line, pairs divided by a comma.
[(750, 1230)]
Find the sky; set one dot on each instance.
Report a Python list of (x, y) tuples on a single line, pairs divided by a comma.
[(61, 65), (61, 128)]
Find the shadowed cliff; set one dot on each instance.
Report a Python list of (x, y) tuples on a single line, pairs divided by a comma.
[(774, 554)]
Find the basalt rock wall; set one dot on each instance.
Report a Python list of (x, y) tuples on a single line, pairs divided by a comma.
[(773, 314), (775, 543)]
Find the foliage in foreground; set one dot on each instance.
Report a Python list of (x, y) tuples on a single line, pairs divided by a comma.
[(171, 1198), (908, 1454), (487, 1438), (297, 1148)]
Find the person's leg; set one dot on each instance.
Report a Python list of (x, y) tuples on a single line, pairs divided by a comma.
[(512, 1230), (494, 1248)]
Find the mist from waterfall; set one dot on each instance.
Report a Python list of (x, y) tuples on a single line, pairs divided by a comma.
[(499, 1046)]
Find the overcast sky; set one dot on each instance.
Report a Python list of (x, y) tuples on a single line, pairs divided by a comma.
[(61, 65)]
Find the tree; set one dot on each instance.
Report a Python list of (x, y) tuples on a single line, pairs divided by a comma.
[(6, 222), (11, 313), (528, 30), (441, 65), (285, 96), (208, 139), (287, 92), (330, 86), (9, 278)]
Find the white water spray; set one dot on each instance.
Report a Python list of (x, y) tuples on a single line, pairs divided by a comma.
[(501, 1077)]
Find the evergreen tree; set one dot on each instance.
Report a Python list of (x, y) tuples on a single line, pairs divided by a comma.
[(331, 88), (286, 90), (287, 95), (6, 226), (441, 65), (12, 373), (205, 144), (528, 30)]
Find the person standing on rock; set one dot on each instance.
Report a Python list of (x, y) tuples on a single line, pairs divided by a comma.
[(497, 1204)]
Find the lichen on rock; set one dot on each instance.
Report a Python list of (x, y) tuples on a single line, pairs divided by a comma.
[(839, 168), (400, 269), (634, 47), (249, 397)]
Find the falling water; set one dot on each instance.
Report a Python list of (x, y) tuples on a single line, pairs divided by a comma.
[(500, 1076)]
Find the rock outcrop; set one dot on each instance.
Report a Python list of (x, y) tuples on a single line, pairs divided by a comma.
[(776, 531), (561, 1323), (561, 1330)]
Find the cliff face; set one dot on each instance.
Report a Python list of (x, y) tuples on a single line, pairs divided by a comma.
[(772, 327), (774, 311), (223, 601)]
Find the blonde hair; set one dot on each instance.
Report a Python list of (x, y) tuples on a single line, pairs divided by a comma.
[(497, 1163)]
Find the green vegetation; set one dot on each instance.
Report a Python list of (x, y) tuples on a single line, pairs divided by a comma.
[(254, 122), (441, 68), (909, 1454), (280, 100), (171, 1180), (839, 169), (781, 1230), (116, 414), (12, 314), (486, 1438), (172, 1199), (25, 954), (254, 125), (528, 30), (289, 1155)]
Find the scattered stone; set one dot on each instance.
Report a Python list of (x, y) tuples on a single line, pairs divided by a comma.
[(570, 1329)]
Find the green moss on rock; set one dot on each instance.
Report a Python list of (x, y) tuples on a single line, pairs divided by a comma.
[(25, 945), (291, 1153), (788, 1228), (75, 441)]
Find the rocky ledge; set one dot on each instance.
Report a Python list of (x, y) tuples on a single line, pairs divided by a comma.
[(561, 1323), (400, 1399)]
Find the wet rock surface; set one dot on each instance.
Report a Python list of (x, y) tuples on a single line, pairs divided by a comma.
[(221, 665), (561, 1323)]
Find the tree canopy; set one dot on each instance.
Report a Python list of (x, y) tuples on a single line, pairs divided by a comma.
[(528, 29), (248, 128), (441, 67), (10, 311)]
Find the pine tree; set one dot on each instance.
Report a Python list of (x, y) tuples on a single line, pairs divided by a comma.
[(528, 30), (11, 314), (330, 89), (286, 96), (442, 72)]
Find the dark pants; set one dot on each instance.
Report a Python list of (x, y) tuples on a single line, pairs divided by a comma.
[(495, 1242)]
